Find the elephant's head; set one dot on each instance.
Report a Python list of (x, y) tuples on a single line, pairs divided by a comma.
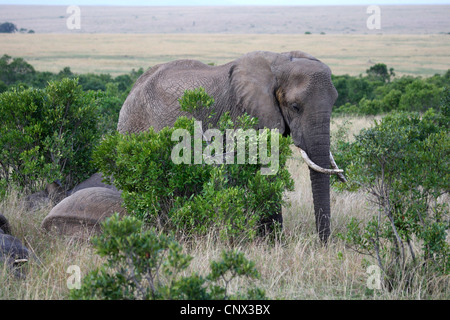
[(293, 92)]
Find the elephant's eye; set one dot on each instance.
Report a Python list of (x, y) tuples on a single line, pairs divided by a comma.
[(295, 106)]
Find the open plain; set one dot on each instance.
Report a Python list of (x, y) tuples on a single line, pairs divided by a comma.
[(116, 54)]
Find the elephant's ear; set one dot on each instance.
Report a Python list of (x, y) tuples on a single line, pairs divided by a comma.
[(254, 85)]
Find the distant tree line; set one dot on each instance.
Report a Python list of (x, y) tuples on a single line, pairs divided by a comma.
[(17, 74), (378, 91), (9, 27)]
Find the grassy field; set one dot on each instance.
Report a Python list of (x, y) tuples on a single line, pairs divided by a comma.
[(298, 267), (116, 54)]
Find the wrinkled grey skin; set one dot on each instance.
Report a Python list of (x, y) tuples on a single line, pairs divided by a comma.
[(11, 249), (290, 91)]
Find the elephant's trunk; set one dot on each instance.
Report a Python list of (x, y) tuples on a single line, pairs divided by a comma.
[(317, 156), (320, 184)]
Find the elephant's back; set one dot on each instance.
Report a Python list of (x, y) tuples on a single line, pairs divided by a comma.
[(131, 119), (170, 72), (153, 100)]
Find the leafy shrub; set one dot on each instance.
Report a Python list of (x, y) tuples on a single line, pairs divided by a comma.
[(194, 196), (391, 100), (66, 73), (352, 89), (369, 107), (110, 102), (47, 135), (379, 72), (15, 70), (347, 109), (3, 86), (142, 264), (403, 163), (421, 96), (94, 81)]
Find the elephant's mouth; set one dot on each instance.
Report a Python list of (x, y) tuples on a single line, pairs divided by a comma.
[(335, 169)]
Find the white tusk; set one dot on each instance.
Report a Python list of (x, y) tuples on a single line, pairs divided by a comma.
[(20, 260), (317, 168), (334, 166)]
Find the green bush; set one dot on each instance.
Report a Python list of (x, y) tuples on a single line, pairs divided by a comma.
[(142, 264), (346, 109), (110, 103), (194, 196), (370, 107), (379, 72), (421, 96), (378, 93), (391, 101), (15, 70), (47, 135), (403, 163), (94, 82), (352, 89)]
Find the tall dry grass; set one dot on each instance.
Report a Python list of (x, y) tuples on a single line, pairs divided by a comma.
[(297, 266), (46, 276)]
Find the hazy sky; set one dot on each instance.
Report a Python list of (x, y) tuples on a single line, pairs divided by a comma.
[(221, 2)]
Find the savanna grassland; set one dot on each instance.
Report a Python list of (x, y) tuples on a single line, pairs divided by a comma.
[(422, 55), (414, 40)]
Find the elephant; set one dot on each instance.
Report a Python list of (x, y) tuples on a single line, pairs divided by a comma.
[(12, 250), (5, 228), (290, 91), (49, 197), (96, 180), (80, 215)]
